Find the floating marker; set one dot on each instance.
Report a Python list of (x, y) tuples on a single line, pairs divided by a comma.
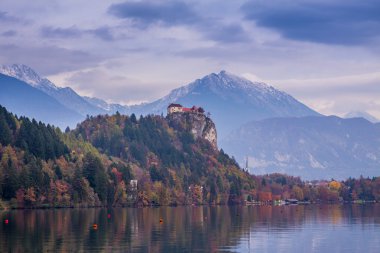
[(161, 220), (6, 221), (95, 226), (109, 216)]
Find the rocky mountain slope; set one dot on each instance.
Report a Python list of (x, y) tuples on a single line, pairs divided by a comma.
[(232, 101), (310, 147), (25, 100), (66, 96), (364, 115), (107, 107), (270, 140)]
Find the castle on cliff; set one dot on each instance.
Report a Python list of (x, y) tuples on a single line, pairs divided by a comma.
[(179, 108)]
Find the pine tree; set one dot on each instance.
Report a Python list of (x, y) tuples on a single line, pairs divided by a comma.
[(10, 181), (5, 131), (94, 172)]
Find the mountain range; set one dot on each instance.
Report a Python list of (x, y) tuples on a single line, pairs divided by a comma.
[(25, 100), (66, 96), (276, 131), (310, 147), (232, 101), (364, 115)]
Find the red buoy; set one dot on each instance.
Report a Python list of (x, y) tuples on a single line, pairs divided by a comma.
[(6, 221), (109, 216), (95, 226)]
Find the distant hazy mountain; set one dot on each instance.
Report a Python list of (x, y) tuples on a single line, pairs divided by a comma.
[(107, 107), (363, 115), (23, 99), (284, 135), (66, 96), (231, 100), (311, 147)]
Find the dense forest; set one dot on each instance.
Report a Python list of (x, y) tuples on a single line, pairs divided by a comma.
[(100, 162), (171, 165)]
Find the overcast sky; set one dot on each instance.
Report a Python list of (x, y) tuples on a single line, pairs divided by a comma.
[(326, 53)]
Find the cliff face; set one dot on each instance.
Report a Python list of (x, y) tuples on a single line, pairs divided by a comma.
[(199, 125)]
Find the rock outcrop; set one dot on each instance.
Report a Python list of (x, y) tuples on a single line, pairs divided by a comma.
[(198, 124)]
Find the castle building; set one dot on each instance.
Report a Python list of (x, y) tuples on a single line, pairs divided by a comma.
[(172, 108)]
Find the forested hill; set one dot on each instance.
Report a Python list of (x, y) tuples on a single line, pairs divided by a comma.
[(37, 168), (171, 158), (168, 151), (31, 136), (41, 166)]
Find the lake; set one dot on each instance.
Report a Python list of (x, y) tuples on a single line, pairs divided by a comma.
[(310, 228)]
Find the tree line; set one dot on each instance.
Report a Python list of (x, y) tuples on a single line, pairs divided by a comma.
[(93, 165)]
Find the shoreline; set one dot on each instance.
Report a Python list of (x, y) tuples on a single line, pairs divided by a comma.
[(356, 202)]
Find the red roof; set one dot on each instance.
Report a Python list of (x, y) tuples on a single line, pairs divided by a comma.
[(186, 109)]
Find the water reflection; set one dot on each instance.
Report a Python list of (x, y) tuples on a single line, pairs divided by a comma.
[(187, 229)]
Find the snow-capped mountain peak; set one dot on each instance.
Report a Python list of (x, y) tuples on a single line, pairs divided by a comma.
[(232, 100), (66, 96), (224, 82), (21, 72), (26, 74), (219, 82)]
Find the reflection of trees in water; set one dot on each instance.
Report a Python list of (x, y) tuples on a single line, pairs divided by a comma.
[(183, 228)]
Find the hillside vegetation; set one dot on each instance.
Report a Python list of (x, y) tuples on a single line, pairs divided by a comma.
[(93, 165), (167, 158)]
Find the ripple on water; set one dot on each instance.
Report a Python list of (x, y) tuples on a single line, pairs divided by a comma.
[(340, 228)]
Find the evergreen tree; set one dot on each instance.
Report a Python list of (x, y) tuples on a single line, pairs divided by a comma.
[(133, 118), (10, 182), (5, 131), (94, 172), (58, 172), (35, 172), (155, 174)]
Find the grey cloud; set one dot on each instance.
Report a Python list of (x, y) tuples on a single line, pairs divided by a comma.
[(103, 33), (173, 13), (97, 82), (5, 17), (329, 89), (145, 13), (48, 60), (70, 32), (230, 33), (346, 22), (211, 52), (9, 33)]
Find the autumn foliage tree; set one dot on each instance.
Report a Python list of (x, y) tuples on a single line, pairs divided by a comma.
[(93, 165)]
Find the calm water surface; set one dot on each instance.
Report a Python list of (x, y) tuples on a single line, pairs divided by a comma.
[(314, 228)]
